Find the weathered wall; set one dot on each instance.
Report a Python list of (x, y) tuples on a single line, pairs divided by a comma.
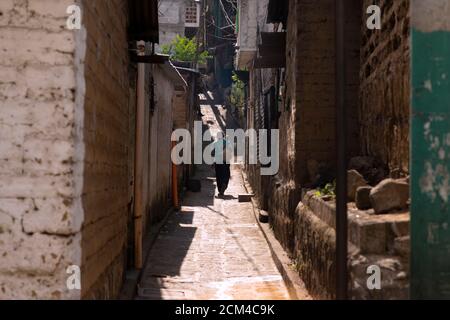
[(430, 162), (40, 213), (307, 114), (105, 180), (315, 252), (160, 146), (308, 117), (261, 81), (312, 91), (171, 19), (311, 82), (180, 107), (132, 103), (385, 86), (185, 106), (64, 153), (380, 240)]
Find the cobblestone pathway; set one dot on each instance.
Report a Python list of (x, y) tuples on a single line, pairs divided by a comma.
[(213, 248)]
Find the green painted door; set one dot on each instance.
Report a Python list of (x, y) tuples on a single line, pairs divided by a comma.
[(430, 152)]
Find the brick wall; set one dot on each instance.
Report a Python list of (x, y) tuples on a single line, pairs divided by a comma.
[(307, 112), (105, 195), (307, 120), (312, 93), (311, 55), (384, 113)]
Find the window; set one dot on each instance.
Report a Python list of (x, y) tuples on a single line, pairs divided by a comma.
[(192, 14)]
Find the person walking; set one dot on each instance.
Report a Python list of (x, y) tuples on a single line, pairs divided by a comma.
[(222, 163)]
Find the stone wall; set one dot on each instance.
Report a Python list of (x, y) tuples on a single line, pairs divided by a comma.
[(374, 240), (315, 253), (385, 87)]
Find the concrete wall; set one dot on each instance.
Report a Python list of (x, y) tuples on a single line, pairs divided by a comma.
[(160, 146), (157, 126), (252, 17), (171, 19), (385, 86), (248, 24), (185, 112)]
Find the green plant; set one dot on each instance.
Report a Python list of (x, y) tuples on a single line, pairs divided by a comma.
[(237, 96), (184, 49), (328, 190)]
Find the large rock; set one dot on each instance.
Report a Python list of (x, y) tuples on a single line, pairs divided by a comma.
[(362, 198), (389, 195), (354, 181)]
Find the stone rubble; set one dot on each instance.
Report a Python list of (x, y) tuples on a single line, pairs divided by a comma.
[(362, 198), (389, 195), (354, 181)]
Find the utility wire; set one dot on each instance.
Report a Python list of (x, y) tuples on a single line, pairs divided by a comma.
[(222, 38), (225, 13)]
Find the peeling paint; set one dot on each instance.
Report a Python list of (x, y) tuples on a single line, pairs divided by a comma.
[(425, 16), (435, 179), (428, 85), (435, 182), (430, 149)]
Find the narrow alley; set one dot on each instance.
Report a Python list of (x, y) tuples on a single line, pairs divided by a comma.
[(119, 178), (212, 248)]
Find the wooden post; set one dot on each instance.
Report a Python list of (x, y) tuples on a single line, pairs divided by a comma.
[(176, 204), (139, 168), (341, 154)]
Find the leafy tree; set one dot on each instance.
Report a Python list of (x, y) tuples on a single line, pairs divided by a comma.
[(184, 49)]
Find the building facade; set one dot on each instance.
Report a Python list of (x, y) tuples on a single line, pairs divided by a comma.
[(297, 96), (85, 148)]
